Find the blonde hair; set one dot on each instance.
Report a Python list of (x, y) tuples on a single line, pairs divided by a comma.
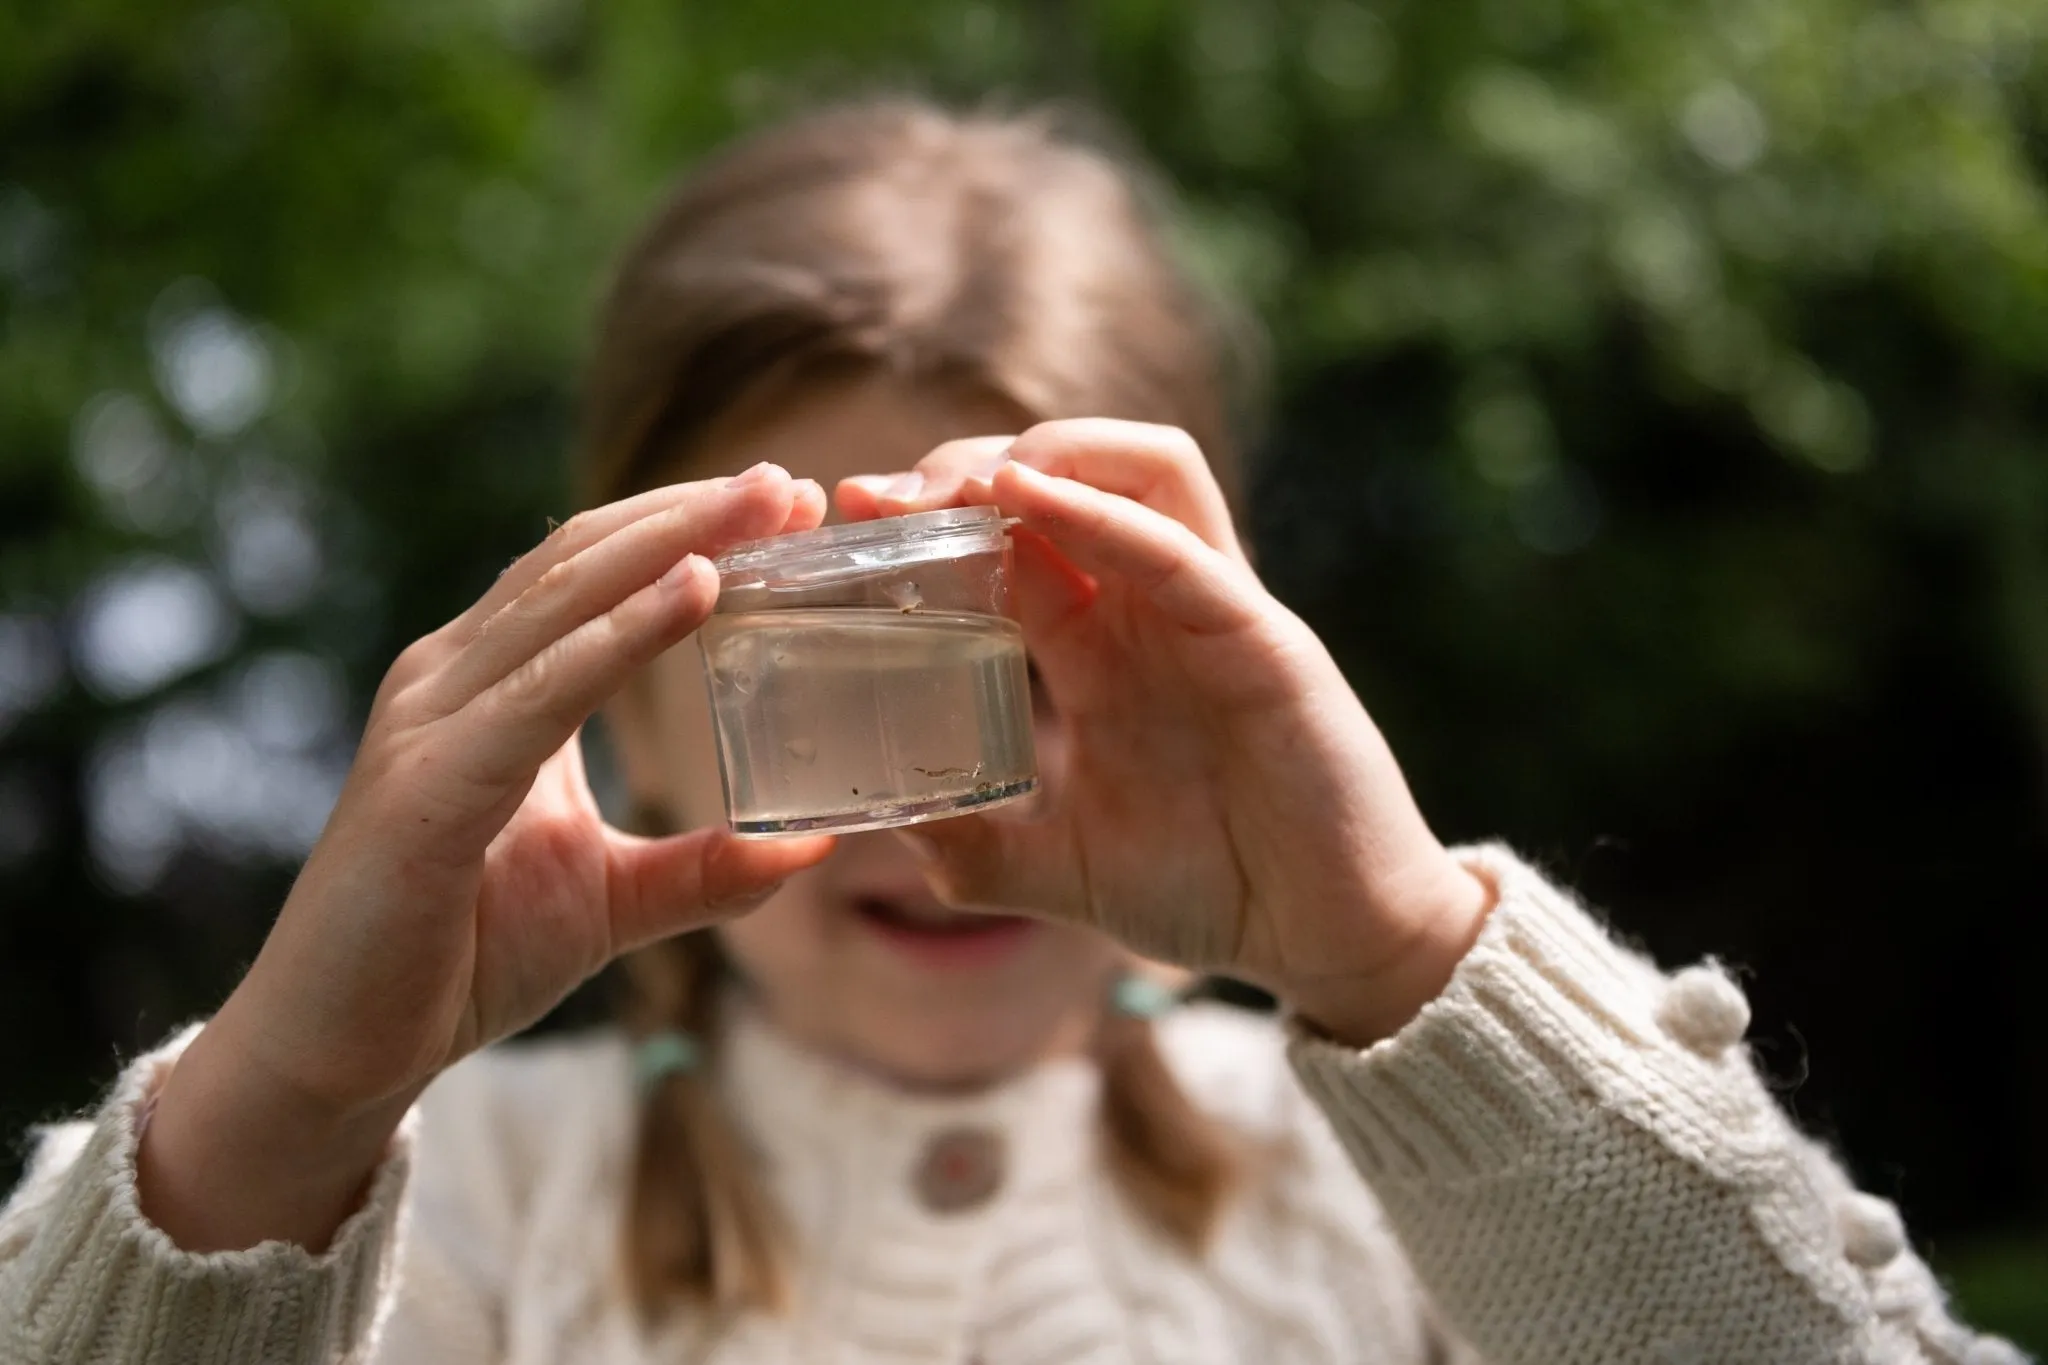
[(969, 254)]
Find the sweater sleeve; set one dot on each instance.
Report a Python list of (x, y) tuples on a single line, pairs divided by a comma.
[(85, 1279), (1583, 1165)]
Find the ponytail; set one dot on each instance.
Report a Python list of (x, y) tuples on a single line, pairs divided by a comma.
[(1176, 1163), (700, 1226)]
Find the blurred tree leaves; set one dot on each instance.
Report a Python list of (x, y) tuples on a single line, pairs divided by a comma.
[(1658, 438)]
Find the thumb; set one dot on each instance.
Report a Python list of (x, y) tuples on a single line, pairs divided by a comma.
[(1006, 863), (659, 887)]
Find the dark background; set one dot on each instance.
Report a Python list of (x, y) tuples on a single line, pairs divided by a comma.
[(1656, 434)]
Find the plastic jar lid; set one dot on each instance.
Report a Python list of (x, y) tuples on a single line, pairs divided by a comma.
[(858, 549)]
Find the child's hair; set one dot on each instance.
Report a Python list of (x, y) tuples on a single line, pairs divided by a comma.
[(981, 255)]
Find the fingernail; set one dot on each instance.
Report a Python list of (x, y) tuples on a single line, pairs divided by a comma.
[(755, 475), (874, 485), (986, 467), (679, 571), (1030, 475), (742, 901), (906, 487)]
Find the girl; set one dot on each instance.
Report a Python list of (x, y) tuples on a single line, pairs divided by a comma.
[(852, 1122)]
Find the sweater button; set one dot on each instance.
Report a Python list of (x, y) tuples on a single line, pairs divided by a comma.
[(1703, 1009), (961, 1169), (1872, 1234)]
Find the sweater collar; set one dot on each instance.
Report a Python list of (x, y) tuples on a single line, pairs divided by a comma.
[(816, 1120)]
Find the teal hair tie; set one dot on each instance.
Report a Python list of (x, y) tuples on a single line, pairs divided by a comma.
[(670, 1052), (1141, 997)]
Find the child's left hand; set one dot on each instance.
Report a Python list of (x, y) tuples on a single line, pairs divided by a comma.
[(1227, 803)]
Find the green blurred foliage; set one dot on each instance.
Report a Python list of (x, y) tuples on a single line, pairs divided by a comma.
[(1657, 438), (1757, 192), (1998, 1287)]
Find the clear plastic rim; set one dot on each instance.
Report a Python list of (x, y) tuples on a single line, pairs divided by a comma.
[(860, 544), (890, 815)]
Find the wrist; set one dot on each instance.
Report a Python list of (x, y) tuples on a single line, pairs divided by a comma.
[(1429, 934), (232, 1156)]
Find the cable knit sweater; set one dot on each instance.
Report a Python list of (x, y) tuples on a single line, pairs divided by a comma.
[(1565, 1158)]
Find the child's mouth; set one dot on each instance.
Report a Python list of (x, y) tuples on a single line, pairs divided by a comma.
[(942, 936)]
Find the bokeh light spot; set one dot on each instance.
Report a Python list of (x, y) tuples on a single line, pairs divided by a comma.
[(146, 622)]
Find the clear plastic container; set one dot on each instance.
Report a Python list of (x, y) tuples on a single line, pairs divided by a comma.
[(869, 675)]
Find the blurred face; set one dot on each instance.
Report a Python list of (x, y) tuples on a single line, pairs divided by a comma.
[(856, 957)]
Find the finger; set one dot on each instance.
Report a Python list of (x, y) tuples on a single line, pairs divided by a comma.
[(1003, 863), (583, 587), (935, 483), (807, 507), (579, 533), (1051, 598), (1158, 466), (860, 498), (1197, 586), (939, 478), (1083, 660), (1048, 589), (511, 727), (659, 887)]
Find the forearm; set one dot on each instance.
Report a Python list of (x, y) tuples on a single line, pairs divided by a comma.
[(232, 1157), (85, 1276), (1580, 1160)]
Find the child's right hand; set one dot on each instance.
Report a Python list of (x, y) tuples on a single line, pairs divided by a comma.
[(465, 882)]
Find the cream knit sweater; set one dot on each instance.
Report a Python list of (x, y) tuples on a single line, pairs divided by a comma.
[(1566, 1158)]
